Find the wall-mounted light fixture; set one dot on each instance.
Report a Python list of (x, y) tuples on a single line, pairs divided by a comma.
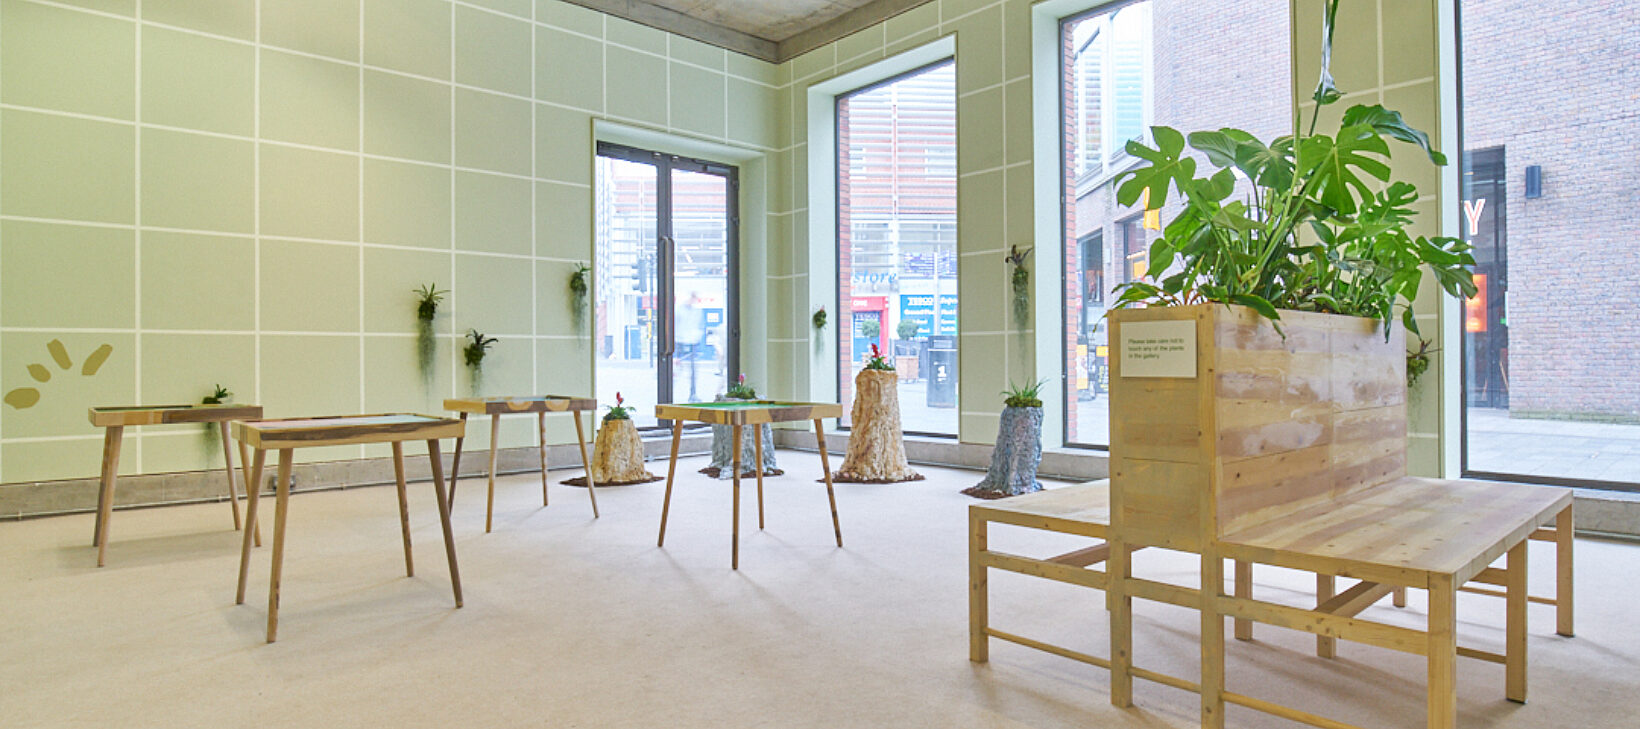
[(1534, 182)]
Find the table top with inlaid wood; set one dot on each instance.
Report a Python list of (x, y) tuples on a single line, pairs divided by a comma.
[(748, 412), (541, 405), (520, 404)]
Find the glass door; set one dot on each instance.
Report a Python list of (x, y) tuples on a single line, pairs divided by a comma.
[(666, 323)]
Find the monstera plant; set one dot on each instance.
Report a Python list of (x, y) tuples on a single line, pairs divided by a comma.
[(1323, 228)]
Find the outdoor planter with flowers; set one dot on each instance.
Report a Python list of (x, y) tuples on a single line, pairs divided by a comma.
[(876, 447), (722, 465)]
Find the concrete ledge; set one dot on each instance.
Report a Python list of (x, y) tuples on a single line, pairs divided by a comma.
[(1070, 464), (48, 498)]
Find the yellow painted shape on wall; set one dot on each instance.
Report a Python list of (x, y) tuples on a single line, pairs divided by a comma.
[(39, 373), (96, 360), (23, 397), (59, 353)]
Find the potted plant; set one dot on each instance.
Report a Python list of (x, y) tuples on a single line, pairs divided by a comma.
[(876, 447), (428, 297), (1018, 451), (722, 465), (617, 452)]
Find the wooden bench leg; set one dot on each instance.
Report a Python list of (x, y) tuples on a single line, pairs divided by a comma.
[(489, 501), (979, 609), (434, 459), (1325, 587), (1563, 572), (1514, 654), (252, 486), (1443, 652), (671, 471), (734, 543), (455, 463), (281, 502), (112, 439), (541, 450), (1399, 597), (1212, 686), (1244, 589), (252, 526), (227, 459), (586, 464), (757, 465), (1120, 606), (825, 467)]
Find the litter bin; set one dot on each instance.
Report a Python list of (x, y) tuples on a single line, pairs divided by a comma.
[(941, 377)]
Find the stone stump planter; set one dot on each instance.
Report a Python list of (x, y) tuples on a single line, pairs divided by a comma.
[(722, 466), (876, 447), (617, 456), (1017, 455)]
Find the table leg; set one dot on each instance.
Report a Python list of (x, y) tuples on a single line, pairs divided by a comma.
[(112, 439), (1514, 653), (1120, 607), (1325, 587), (227, 458), (252, 526), (979, 596), (252, 486), (455, 465), (434, 458), (671, 470), (1244, 589), (1443, 652), (586, 464), (404, 506), (1398, 597), (281, 505), (734, 543), (757, 465), (825, 466), (541, 450), (1212, 686), (1563, 572), (489, 504)]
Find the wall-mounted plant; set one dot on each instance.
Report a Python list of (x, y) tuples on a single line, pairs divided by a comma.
[(1418, 361), (473, 354), (219, 396), (1019, 278), (428, 298), (578, 288), (819, 319)]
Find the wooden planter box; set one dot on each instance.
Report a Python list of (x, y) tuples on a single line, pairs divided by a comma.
[(1220, 422)]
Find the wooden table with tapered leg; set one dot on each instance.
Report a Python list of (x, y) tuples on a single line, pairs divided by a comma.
[(495, 407), (116, 419), (285, 436), (739, 414)]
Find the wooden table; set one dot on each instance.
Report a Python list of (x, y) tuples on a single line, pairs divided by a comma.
[(495, 407), (741, 413), (287, 435), (115, 420)]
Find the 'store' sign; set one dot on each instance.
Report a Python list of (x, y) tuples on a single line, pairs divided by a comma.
[(1158, 348)]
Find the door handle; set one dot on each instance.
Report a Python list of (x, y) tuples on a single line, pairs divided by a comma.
[(663, 308)]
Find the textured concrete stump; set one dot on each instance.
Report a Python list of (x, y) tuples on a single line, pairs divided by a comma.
[(617, 455), (876, 449), (1016, 457), (722, 466)]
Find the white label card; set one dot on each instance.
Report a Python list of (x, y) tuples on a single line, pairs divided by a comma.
[(1158, 348)]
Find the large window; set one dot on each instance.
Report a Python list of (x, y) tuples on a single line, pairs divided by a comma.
[(897, 240), (1551, 343), (1126, 66)]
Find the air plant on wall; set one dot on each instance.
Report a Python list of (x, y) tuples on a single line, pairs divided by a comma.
[(473, 354), (819, 319), (1020, 281), (578, 288), (219, 396), (428, 298), (1418, 361)]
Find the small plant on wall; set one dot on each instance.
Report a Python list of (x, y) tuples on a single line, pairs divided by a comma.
[(1418, 361), (428, 298), (578, 289), (1019, 279), (478, 346), (219, 396), (819, 319)]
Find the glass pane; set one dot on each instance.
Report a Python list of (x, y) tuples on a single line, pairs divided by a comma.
[(625, 285), (1551, 350), (700, 229), (897, 241), (1124, 70)]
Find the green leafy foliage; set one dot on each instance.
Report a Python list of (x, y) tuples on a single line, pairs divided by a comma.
[(620, 410), (1324, 227), (908, 328), (878, 361), (820, 319), (740, 390), (478, 345), (1023, 396), (428, 297), (218, 396)]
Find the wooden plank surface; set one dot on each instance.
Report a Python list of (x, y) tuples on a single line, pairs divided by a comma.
[(103, 417), (520, 404), (345, 430), (750, 412)]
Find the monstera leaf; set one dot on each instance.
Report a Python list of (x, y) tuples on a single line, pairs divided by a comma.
[(1390, 124), (1169, 167)]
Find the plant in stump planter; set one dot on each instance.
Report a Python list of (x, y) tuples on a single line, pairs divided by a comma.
[(428, 297), (478, 346), (722, 465), (1018, 451), (617, 452), (876, 447)]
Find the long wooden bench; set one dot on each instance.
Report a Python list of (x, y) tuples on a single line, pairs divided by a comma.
[(1380, 556)]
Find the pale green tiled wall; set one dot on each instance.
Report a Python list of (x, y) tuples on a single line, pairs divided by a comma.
[(994, 207), (246, 192), (1386, 52)]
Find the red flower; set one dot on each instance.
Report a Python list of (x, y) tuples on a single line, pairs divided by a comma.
[(619, 399), (743, 378), (874, 351)]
